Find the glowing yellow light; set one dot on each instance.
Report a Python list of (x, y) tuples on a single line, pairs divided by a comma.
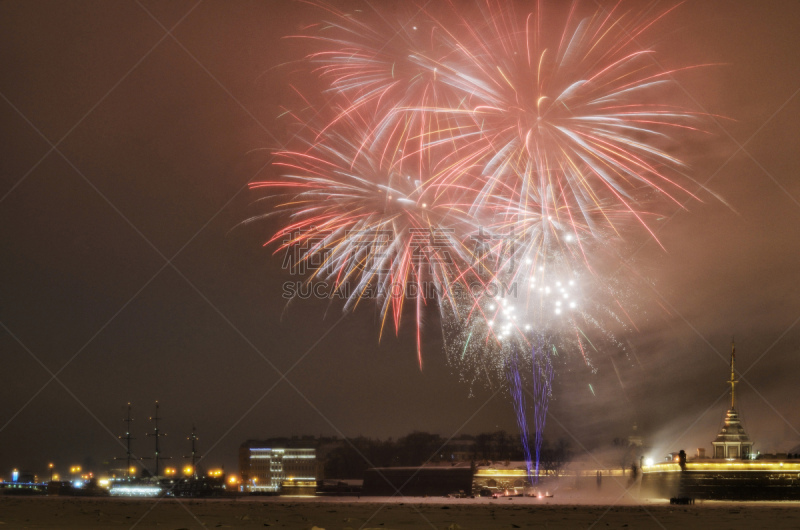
[(503, 472), (170, 471), (233, 479), (132, 470), (188, 470), (722, 466)]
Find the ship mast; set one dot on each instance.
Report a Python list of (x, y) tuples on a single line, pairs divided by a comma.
[(128, 439), (194, 456), (157, 434)]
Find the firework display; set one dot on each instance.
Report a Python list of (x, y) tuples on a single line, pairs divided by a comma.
[(478, 159)]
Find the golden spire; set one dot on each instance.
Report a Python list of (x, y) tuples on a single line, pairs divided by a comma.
[(733, 380)]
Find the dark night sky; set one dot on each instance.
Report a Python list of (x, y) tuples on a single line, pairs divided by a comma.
[(125, 275)]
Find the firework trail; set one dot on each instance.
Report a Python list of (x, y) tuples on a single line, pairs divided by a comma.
[(517, 391), (542, 381), (470, 150)]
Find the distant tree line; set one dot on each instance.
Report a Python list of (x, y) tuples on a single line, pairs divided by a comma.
[(553, 458), (350, 458)]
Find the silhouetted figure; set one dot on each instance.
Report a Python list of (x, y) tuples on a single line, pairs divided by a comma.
[(682, 459)]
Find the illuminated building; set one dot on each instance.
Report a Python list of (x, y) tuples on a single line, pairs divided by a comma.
[(732, 442), (734, 472), (298, 488), (501, 478), (265, 469)]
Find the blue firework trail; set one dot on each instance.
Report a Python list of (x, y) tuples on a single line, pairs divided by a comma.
[(518, 398), (542, 382)]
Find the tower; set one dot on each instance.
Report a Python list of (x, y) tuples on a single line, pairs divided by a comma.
[(732, 441)]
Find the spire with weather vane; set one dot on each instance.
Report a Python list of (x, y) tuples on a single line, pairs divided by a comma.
[(733, 380), (732, 442)]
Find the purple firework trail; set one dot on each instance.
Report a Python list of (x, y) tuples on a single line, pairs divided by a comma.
[(542, 379), (518, 398)]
